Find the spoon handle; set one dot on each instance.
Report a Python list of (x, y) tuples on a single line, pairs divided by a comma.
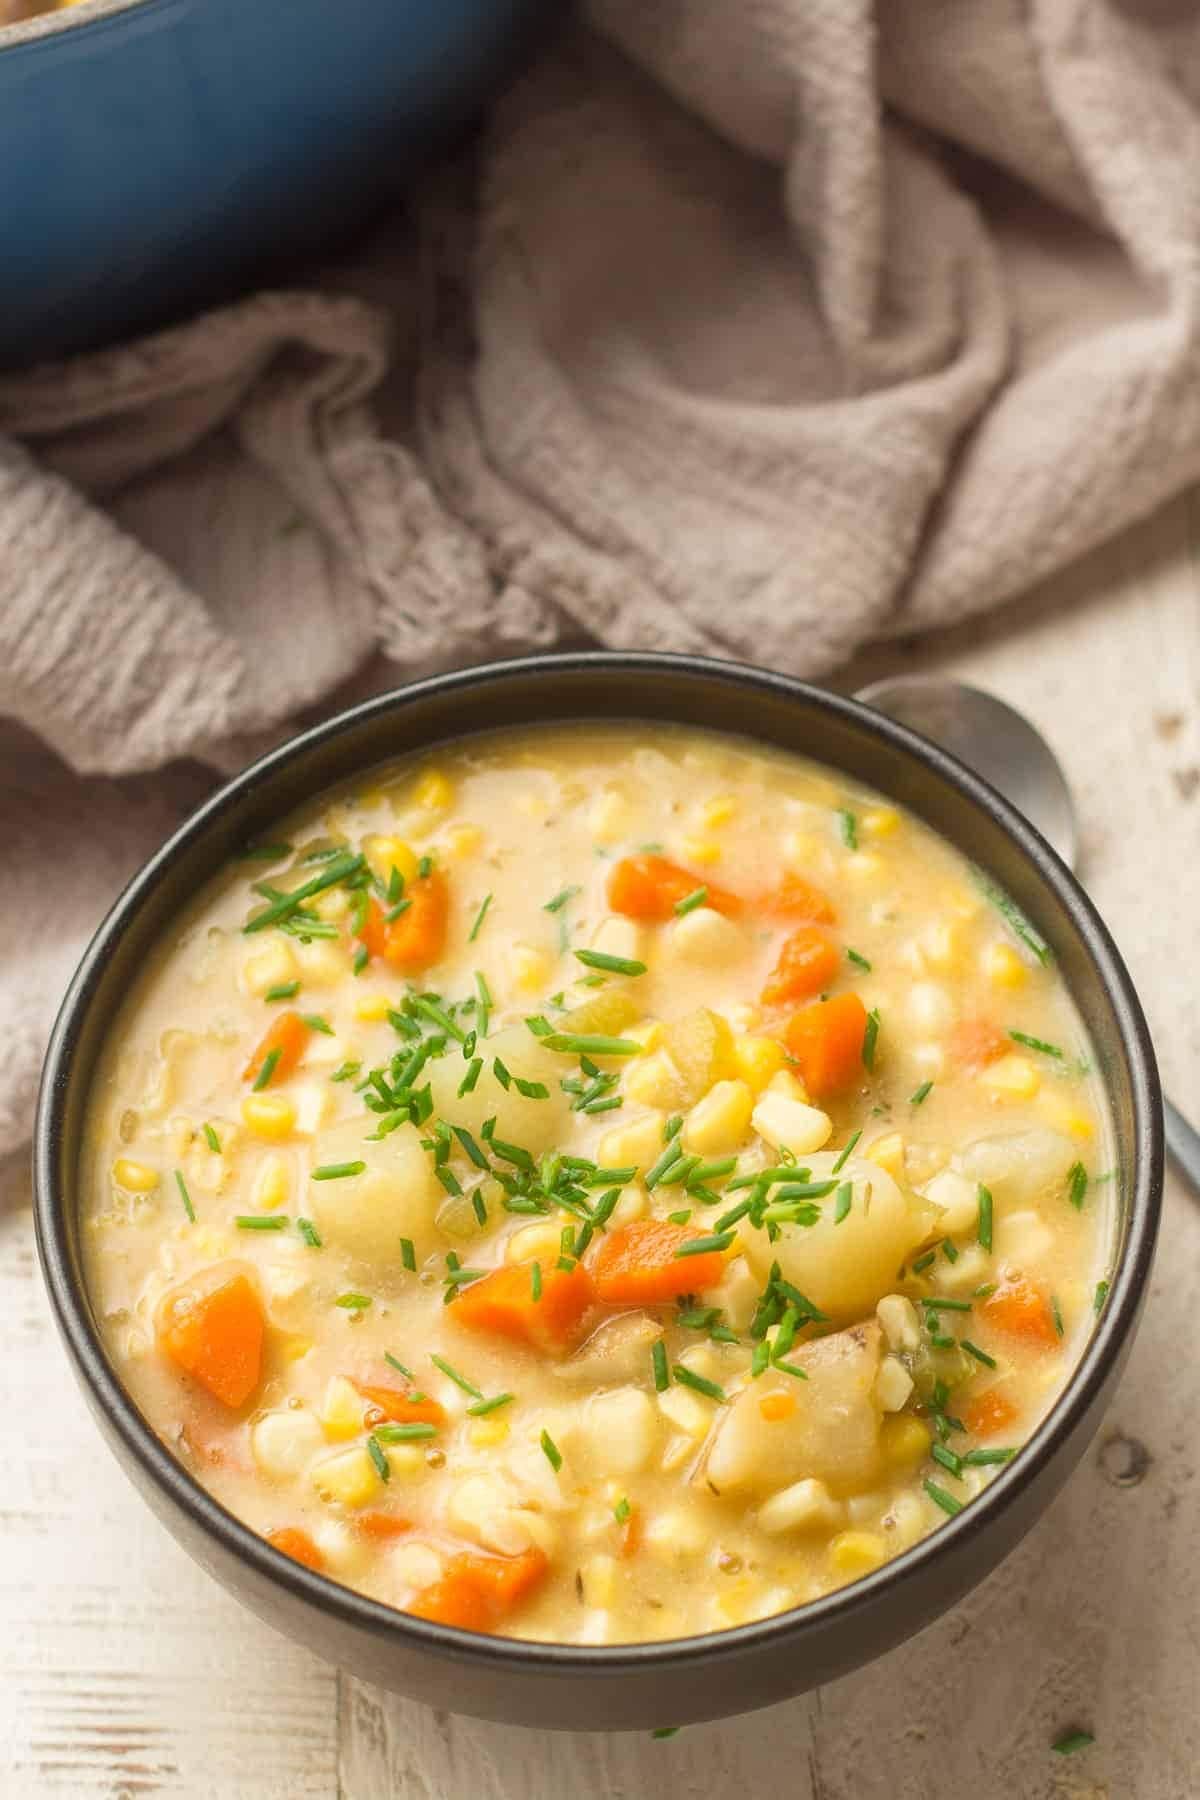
[(1183, 1141)]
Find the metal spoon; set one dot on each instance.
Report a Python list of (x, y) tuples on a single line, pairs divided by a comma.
[(1002, 746)]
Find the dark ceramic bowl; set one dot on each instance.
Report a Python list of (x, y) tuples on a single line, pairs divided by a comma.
[(641, 1685)]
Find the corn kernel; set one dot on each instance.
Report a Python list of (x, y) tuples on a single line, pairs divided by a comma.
[(598, 1579), (738, 1602), (807, 854), (342, 1409), (702, 851), (1013, 1077), (720, 1122), (785, 1081), (1003, 967), (485, 1434), (905, 1440), (348, 1479), (385, 853), (888, 1153), (879, 821), (434, 791), (463, 841), (138, 1178), (272, 1184), (864, 866), (322, 964), (1062, 1114), (268, 1116), (371, 1008), (757, 1059), (854, 1553), (528, 967), (648, 1033), (272, 966), (718, 811), (652, 1080), (293, 1345), (533, 1243), (790, 1124)]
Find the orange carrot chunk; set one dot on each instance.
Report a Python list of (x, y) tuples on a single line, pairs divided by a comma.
[(637, 1264), (382, 1526), (977, 1042), (1020, 1308), (989, 1414), (298, 1545), (796, 898), (632, 1532), (503, 1303), (453, 1601), (477, 1593), (826, 1040), (417, 938), (216, 1336), (650, 887), (400, 1408), (808, 962), (289, 1036)]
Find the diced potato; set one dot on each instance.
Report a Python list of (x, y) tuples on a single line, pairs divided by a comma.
[(805, 1506), (619, 1432), (893, 1384), (675, 1532), (790, 1124), (342, 1409), (687, 1411), (887, 1153), (1023, 1238), (611, 816), (271, 966), (831, 1433), (1022, 1166), (487, 1509), (757, 1060), (707, 937), (637, 1144), (633, 1204), (395, 1196), (654, 1080), (929, 1007), (619, 936), (536, 1125), (898, 1317), (348, 1479), (608, 1012), (415, 1565), (284, 1443), (720, 1122), (618, 1350), (958, 1199), (598, 1580), (322, 963), (846, 1268), (701, 1047)]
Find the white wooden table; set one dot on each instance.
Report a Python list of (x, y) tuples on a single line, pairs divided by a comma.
[(125, 1672)]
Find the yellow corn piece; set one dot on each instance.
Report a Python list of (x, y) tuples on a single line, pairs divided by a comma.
[(854, 1553), (273, 1184), (1063, 1114), (879, 821), (701, 851), (720, 1122), (293, 1346), (485, 1434), (757, 1059), (385, 853), (904, 1440), (434, 791), (530, 968), (718, 811), (372, 1008), (888, 1153), (136, 1177), (1013, 1077), (533, 1243), (463, 841), (268, 1116), (348, 1479), (342, 1408), (1003, 967)]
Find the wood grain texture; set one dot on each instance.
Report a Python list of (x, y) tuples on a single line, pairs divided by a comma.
[(124, 1672)]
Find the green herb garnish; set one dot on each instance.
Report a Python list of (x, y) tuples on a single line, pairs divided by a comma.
[(981, 1356), (261, 1222), (1038, 1044), (268, 1069), (337, 1171), (941, 1498), (480, 916), (870, 1039), (983, 1230), (848, 826), (283, 990), (1077, 1185), (859, 961), (699, 1383), (691, 901), (921, 1094), (188, 1208), (662, 1375), (1071, 1741), (309, 1233), (613, 965), (468, 1387), (353, 1302), (846, 1151), (383, 1467), (212, 1140), (551, 1451)]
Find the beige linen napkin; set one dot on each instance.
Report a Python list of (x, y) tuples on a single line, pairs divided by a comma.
[(763, 329)]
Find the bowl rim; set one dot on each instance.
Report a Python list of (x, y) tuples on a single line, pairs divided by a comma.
[(356, 1611), (54, 24)]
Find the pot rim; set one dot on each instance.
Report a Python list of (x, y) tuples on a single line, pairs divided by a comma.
[(67, 18), (1128, 1277)]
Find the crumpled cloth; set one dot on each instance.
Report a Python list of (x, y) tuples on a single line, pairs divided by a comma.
[(764, 329)]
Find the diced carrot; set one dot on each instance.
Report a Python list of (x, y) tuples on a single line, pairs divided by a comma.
[(977, 1042), (632, 1532), (808, 962), (401, 1408), (477, 1593), (989, 1413), (289, 1035), (503, 1303), (650, 887), (298, 1545), (826, 1040), (796, 898), (417, 938), (1020, 1308), (215, 1334), (637, 1265), (776, 1407), (381, 1525)]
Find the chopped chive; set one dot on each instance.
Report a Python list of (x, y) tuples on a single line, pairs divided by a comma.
[(337, 870), (1014, 918), (268, 1068), (582, 1044), (264, 853), (920, 1094), (941, 1340), (551, 1451), (613, 965), (847, 1148), (948, 1459), (395, 911), (480, 916), (1039, 1044), (789, 1368), (622, 1510), (1071, 1741), (691, 901), (1077, 1185), (470, 1146), (986, 1459), (425, 868), (437, 1015), (719, 1240), (212, 1140), (848, 826), (468, 1387), (859, 961), (337, 1171), (362, 957), (1100, 1296), (346, 1071), (984, 1228), (309, 1233), (989, 1362), (939, 1303), (480, 1408), (924, 1262), (733, 1215), (662, 1376), (842, 1201), (408, 1255), (560, 899), (483, 1003), (401, 1368), (949, 1251), (283, 990), (700, 1383), (941, 1498), (353, 1302), (383, 1467), (479, 1206), (405, 1434), (680, 1218), (467, 1084), (666, 1731), (713, 1171), (261, 1221), (1056, 1314), (870, 1038), (535, 1280), (318, 1022), (188, 1208)]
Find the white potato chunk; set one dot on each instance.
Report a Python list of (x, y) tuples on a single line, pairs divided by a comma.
[(830, 1434), (284, 1442), (619, 1432), (536, 1125), (487, 1510), (958, 1199), (1022, 1166), (618, 1350), (706, 937), (396, 1195), (790, 1124), (846, 1268)]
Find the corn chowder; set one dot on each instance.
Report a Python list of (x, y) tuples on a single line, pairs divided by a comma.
[(613, 1184)]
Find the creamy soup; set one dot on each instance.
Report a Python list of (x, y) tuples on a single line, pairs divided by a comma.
[(608, 1184)]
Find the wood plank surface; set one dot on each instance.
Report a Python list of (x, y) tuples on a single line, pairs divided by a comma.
[(124, 1671)]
